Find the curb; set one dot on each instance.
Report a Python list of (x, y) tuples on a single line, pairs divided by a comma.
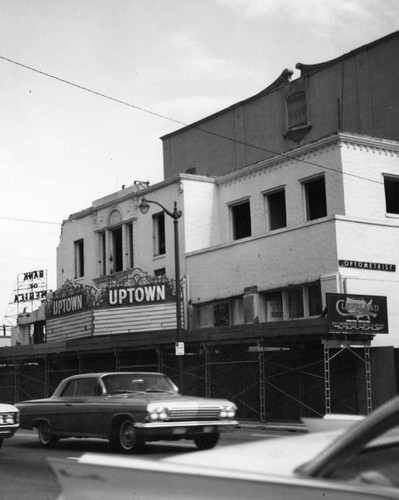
[(274, 426)]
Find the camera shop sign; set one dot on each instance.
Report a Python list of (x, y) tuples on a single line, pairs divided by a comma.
[(349, 313)]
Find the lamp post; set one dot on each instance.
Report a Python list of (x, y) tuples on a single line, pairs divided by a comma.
[(175, 215)]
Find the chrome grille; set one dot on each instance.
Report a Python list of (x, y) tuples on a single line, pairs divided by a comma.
[(193, 412)]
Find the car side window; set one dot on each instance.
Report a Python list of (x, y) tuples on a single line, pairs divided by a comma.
[(87, 387), (82, 388), (69, 390)]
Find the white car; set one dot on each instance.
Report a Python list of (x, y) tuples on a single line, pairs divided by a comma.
[(9, 421), (357, 462)]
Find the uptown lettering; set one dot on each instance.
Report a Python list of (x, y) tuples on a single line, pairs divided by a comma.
[(67, 305), (140, 294)]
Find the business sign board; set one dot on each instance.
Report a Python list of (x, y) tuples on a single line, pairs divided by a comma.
[(367, 266), (73, 298), (350, 313)]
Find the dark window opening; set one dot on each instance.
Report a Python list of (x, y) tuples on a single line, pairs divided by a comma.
[(295, 303), (241, 216), (221, 314), (314, 298), (160, 272), (130, 249), (103, 254), (316, 203), (117, 251), (277, 210), (79, 259), (159, 234), (391, 195)]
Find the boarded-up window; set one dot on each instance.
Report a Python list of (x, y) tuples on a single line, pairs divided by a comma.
[(296, 110)]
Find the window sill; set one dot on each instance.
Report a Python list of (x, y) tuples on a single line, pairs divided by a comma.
[(296, 134)]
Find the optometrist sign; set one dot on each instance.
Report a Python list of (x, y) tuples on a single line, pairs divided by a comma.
[(350, 313)]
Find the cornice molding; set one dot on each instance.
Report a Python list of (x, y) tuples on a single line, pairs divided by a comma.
[(336, 140)]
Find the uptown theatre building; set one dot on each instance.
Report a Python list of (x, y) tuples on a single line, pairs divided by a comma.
[(288, 261)]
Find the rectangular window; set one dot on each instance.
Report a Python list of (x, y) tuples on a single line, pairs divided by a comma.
[(103, 254), (274, 306), (296, 109), (241, 220), (159, 234), (160, 272), (129, 245), (276, 209), (314, 299), (315, 196), (79, 259), (295, 302), (221, 314), (117, 252), (391, 186)]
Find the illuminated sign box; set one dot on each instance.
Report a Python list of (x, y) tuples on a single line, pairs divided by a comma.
[(350, 313)]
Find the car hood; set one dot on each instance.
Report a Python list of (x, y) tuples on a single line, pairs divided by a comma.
[(169, 397), (7, 408), (276, 457), (143, 397)]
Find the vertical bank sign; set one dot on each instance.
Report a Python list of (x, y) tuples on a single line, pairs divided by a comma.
[(348, 313)]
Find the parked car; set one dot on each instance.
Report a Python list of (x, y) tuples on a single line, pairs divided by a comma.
[(128, 409), (9, 421), (360, 462)]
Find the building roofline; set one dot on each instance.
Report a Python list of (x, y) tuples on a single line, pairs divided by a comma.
[(282, 80), (293, 154), (128, 193)]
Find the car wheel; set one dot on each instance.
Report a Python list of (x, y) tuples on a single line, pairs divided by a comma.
[(125, 438), (46, 437), (206, 441)]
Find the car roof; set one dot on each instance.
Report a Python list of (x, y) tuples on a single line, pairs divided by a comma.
[(103, 374)]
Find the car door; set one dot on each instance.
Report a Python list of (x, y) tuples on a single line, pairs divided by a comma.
[(75, 402)]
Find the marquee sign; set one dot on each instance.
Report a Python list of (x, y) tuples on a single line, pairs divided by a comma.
[(73, 298), (349, 313)]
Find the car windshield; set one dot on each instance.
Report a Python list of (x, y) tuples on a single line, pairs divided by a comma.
[(138, 382)]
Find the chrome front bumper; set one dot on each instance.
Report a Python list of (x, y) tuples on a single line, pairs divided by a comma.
[(185, 428)]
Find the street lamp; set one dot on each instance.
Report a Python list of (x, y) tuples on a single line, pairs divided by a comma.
[(175, 215)]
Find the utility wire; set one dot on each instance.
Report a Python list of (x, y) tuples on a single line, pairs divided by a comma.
[(164, 117), (30, 220)]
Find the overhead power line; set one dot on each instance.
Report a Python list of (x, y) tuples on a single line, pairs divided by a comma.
[(30, 220), (164, 117)]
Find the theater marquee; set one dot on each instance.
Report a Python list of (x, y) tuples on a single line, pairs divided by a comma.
[(73, 298)]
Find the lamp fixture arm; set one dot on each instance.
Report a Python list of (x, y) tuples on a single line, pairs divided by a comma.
[(176, 214)]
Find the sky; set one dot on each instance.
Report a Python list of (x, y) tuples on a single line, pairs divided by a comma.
[(88, 87)]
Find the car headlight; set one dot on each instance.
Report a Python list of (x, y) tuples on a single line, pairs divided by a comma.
[(158, 414), (9, 418), (228, 412)]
